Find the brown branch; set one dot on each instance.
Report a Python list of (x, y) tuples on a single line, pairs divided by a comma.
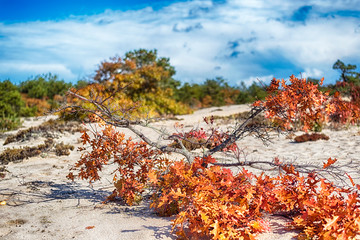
[(164, 148), (108, 117), (237, 133)]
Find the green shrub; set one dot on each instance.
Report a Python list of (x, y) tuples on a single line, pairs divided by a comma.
[(44, 86), (10, 101), (18, 154), (63, 149), (9, 123), (10, 106), (45, 129)]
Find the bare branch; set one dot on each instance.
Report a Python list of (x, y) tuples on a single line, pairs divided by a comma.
[(237, 133)]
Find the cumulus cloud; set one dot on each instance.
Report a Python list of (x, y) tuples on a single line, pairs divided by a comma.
[(238, 40)]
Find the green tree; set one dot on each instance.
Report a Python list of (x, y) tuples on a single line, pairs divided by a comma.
[(81, 84), (44, 86), (142, 70), (56, 86), (214, 89), (141, 77), (10, 103), (190, 94), (250, 94), (348, 74), (147, 58), (212, 92), (34, 88)]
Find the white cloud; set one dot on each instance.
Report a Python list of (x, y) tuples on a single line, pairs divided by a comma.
[(257, 79), (27, 69), (238, 40), (313, 73)]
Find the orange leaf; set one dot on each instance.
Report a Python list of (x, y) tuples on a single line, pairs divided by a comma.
[(89, 227), (329, 163), (152, 177), (351, 180), (331, 223)]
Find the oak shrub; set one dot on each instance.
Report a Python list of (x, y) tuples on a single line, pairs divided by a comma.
[(209, 200)]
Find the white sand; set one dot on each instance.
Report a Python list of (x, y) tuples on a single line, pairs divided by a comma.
[(43, 204)]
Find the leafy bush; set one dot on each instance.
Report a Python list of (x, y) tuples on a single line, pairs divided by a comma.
[(10, 103), (44, 86), (140, 79), (10, 106), (210, 201), (134, 161), (207, 199), (301, 105), (9, 123)]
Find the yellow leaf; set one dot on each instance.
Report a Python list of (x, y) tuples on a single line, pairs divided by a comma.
[(204, 217), (331, 223), (215, 231), (3, 203), (256, 225)]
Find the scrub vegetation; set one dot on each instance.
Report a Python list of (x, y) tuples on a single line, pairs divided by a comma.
[(206, 199)]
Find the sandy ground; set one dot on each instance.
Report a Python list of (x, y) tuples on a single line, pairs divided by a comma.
[(42, 204)]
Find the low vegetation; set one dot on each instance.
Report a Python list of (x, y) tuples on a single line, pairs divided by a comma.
[(63, 149), (205, 198), (311, 137), (209, 200), (46, 129), (18, 154)]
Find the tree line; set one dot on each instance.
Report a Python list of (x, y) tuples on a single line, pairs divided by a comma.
[(148, 81)]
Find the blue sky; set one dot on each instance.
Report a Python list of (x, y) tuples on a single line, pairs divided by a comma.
[(235, 39)]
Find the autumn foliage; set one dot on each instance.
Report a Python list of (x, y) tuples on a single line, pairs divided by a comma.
[(140, 82), (301, 105), (214, 202), (209, 200), (134, 160)]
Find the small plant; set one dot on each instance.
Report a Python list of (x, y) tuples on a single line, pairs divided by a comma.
[(18, 154), (134, 161), (63, 149), (3, 171), (9, 123), (45, 130)]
